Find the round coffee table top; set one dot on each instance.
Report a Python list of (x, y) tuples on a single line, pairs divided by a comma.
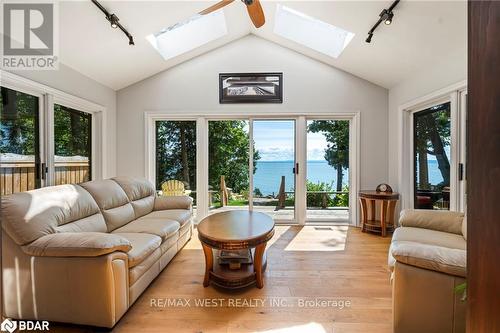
[(236, 229)]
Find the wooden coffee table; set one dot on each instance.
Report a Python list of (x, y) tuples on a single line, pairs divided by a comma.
[(235, 230)]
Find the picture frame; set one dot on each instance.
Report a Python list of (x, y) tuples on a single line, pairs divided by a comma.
[(250, 88)]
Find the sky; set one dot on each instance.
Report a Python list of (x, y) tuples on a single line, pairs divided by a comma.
[(274, 139)]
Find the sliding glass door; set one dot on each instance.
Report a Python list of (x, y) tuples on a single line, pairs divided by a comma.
[(228, 165), (327, 170), (292, 168), (274, 166), (20, 162), (176, 158), (431, 151), (72, 145)]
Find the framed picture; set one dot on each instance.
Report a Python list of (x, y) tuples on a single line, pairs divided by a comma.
[(251, 88)]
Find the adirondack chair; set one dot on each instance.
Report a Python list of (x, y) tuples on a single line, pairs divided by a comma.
[(173, 187)]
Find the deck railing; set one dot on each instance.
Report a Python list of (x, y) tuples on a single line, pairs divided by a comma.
[(20, 176)]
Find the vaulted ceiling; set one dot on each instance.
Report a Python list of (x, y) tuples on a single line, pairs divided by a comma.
[(423, 33)]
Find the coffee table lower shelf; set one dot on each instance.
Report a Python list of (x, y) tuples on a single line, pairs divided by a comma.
[(224, 277)]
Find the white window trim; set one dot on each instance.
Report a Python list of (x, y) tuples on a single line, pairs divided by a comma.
[(202, 118), (49, 96), (405, 141)]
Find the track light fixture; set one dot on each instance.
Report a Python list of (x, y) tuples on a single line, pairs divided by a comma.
[(114, 21), (385, 16)]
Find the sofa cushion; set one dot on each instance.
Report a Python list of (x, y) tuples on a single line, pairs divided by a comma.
[(140, 193), (91, 223), (175, 202), (180, 215), (113, 202), (160, 227), (430, 237), (29, 215), (79, 244), (439, 220), (142, 246), (436, 258)]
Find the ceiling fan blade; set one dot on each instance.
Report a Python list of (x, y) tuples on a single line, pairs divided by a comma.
[(256, 14), (215, 7)]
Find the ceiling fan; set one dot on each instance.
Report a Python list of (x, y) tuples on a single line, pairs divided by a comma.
[(253, 7)]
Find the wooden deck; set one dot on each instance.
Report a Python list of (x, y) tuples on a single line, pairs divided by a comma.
[(305, 263)]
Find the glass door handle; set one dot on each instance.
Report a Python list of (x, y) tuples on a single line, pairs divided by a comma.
[(296, 169), (44, 171)]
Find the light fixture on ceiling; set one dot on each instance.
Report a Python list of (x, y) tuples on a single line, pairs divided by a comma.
[(388, 18), (385, 16), (114, 21)]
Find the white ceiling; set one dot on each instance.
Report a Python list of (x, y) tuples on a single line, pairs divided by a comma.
[(423, 33)]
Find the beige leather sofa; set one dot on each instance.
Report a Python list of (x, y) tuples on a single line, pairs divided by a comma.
[(428, 260), (84, 253)]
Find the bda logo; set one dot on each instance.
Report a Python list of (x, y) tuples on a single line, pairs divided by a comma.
[(8, 325)]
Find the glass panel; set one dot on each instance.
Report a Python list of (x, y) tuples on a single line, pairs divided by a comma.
[(228, 164), (328, 170), (176, 158), (274, 162), (19, 142), (432, 157), (72, 145)]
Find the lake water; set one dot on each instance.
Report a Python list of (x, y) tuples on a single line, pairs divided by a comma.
[(267, 178)]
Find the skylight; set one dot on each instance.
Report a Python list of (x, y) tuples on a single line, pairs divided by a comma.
[(311, 32), (188, 35)]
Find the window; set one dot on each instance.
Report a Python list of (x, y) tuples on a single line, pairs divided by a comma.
[(176, 155), (188, 35), (72, 145), (313, 33), (48, 137), (19, 142), (228, 164), (328, 169), (431, 151)]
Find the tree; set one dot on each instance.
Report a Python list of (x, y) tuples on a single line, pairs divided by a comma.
[(18, 122), (432, 135), (336, 133), (176, 152), (229, 154)]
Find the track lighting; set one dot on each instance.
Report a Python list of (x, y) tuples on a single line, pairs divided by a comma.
[(385, 16), (388, 19), (114, 21)]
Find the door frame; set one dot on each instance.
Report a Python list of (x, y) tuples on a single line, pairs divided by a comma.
[(202, 118), (406, 169)]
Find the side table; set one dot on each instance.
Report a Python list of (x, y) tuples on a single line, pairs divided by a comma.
[(386, 202)]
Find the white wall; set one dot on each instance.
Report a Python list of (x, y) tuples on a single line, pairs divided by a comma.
[(72, 82), (426, 81), (309, 86)]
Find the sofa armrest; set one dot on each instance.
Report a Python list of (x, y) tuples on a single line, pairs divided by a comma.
[(174, 202), (438, 220), (77, 244), (436, 258)]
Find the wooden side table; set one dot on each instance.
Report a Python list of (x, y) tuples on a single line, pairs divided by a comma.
[(233, 231), (386, 205)]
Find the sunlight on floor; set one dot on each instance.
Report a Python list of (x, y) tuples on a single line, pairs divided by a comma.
[(319, 238), (309, 328)]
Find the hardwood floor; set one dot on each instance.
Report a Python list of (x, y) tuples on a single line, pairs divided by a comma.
[(333, 263)]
